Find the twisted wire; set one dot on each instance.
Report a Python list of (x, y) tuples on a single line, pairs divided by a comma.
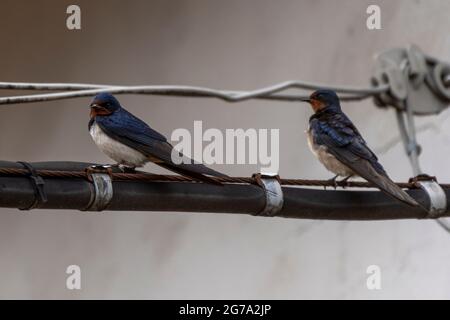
[(149, 177)]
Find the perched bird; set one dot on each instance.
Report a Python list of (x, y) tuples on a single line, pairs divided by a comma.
[(131, 142), (339, 146)]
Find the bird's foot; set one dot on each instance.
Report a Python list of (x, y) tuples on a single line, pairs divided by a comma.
[(345, 181), (333, 181)]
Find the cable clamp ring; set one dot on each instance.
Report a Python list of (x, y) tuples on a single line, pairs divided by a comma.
[(437, 196), (100, 176), (40, 196), (274, 194)]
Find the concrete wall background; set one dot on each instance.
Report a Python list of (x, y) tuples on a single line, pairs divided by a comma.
[(230, 45)]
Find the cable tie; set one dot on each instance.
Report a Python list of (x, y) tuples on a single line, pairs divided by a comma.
[(38, 183)]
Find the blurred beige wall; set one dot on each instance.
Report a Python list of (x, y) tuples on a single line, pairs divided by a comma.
[(230, 44)]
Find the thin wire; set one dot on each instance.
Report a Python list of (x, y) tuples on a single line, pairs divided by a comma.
[(282, 86), (74, 90)]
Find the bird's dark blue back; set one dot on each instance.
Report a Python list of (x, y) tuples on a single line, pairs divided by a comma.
[(123, 123), (335, 130)]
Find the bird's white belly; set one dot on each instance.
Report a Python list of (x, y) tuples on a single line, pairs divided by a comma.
[(327, 159), (117, 151)]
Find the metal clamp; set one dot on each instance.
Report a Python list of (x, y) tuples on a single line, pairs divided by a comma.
[(413, 76), (38, 185), (438, 199), (100, 176), (274, 194)]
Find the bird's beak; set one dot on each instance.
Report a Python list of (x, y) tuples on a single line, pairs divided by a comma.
[(306, 100), (97, 110)]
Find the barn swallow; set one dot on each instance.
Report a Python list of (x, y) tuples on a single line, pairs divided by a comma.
[(339, 146), (131, 142)]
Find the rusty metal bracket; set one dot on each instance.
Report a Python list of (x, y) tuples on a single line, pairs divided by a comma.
[(100, 176), (274, 194), (436, 195)]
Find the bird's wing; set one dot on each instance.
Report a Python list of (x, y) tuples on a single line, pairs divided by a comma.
[(347, 145), (133, 132), (124, 124), (338, 132)]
